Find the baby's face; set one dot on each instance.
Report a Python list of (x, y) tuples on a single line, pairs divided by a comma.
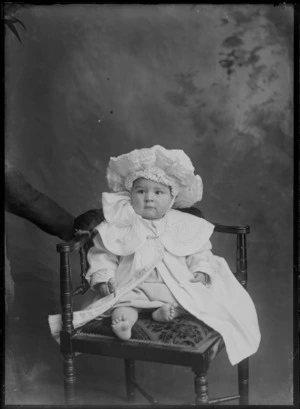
[(149, 199)]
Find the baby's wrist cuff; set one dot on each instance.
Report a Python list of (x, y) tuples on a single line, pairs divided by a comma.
[(205, 275)]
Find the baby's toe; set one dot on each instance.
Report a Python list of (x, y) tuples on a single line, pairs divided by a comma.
[(115, 321)]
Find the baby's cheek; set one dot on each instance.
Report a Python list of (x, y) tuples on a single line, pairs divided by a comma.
[(136, 207), (133, 202)]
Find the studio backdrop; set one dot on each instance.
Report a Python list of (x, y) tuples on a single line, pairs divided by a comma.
[(87, 82)]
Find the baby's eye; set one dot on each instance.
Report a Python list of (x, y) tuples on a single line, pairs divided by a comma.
[(158, 192), (140, 191)]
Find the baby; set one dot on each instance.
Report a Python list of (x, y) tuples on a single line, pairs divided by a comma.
[(147, 255), (151, 200)]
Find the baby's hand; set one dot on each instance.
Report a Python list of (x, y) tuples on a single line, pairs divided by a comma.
[(111, 285), (105, 289), (200, 277)]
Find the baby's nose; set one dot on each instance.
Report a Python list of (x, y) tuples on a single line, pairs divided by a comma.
[(149, 196)]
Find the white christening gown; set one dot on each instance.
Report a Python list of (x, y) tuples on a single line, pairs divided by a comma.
[(153, 262)]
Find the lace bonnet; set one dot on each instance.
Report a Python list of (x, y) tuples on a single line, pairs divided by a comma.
[(171, 167)]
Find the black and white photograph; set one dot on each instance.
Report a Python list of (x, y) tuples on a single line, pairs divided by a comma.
[(149, 251)]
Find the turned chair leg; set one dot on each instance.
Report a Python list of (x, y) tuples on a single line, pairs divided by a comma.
[(201, 387), (70, 378), (130, 379), (243, 377)]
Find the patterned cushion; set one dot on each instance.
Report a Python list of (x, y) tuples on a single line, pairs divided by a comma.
[(184, 332)]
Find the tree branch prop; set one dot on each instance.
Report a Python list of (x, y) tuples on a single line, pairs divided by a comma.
[(11, 21)]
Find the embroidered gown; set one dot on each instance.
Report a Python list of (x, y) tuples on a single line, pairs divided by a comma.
[(152, 263)]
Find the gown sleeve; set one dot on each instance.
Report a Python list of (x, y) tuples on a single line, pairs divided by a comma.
[(202, 260), (102, 263)]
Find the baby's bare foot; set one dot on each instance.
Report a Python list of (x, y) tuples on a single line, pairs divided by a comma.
[(165, 313), (121, 327)]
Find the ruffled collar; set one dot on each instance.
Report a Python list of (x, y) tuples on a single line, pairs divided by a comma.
[(117, 208), (125, 232)]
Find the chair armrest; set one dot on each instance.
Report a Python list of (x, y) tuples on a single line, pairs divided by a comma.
[(241, 250), (79, 243), (240, 229), (75, 244)]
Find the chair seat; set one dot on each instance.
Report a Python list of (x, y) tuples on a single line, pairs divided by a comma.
[(184, 332)]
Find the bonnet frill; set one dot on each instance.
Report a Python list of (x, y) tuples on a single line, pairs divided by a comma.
[(171, 167)]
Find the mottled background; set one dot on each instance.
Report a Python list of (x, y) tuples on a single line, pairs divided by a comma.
[(93, 81)]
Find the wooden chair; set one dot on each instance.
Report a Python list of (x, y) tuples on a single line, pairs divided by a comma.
[(168, 343)]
